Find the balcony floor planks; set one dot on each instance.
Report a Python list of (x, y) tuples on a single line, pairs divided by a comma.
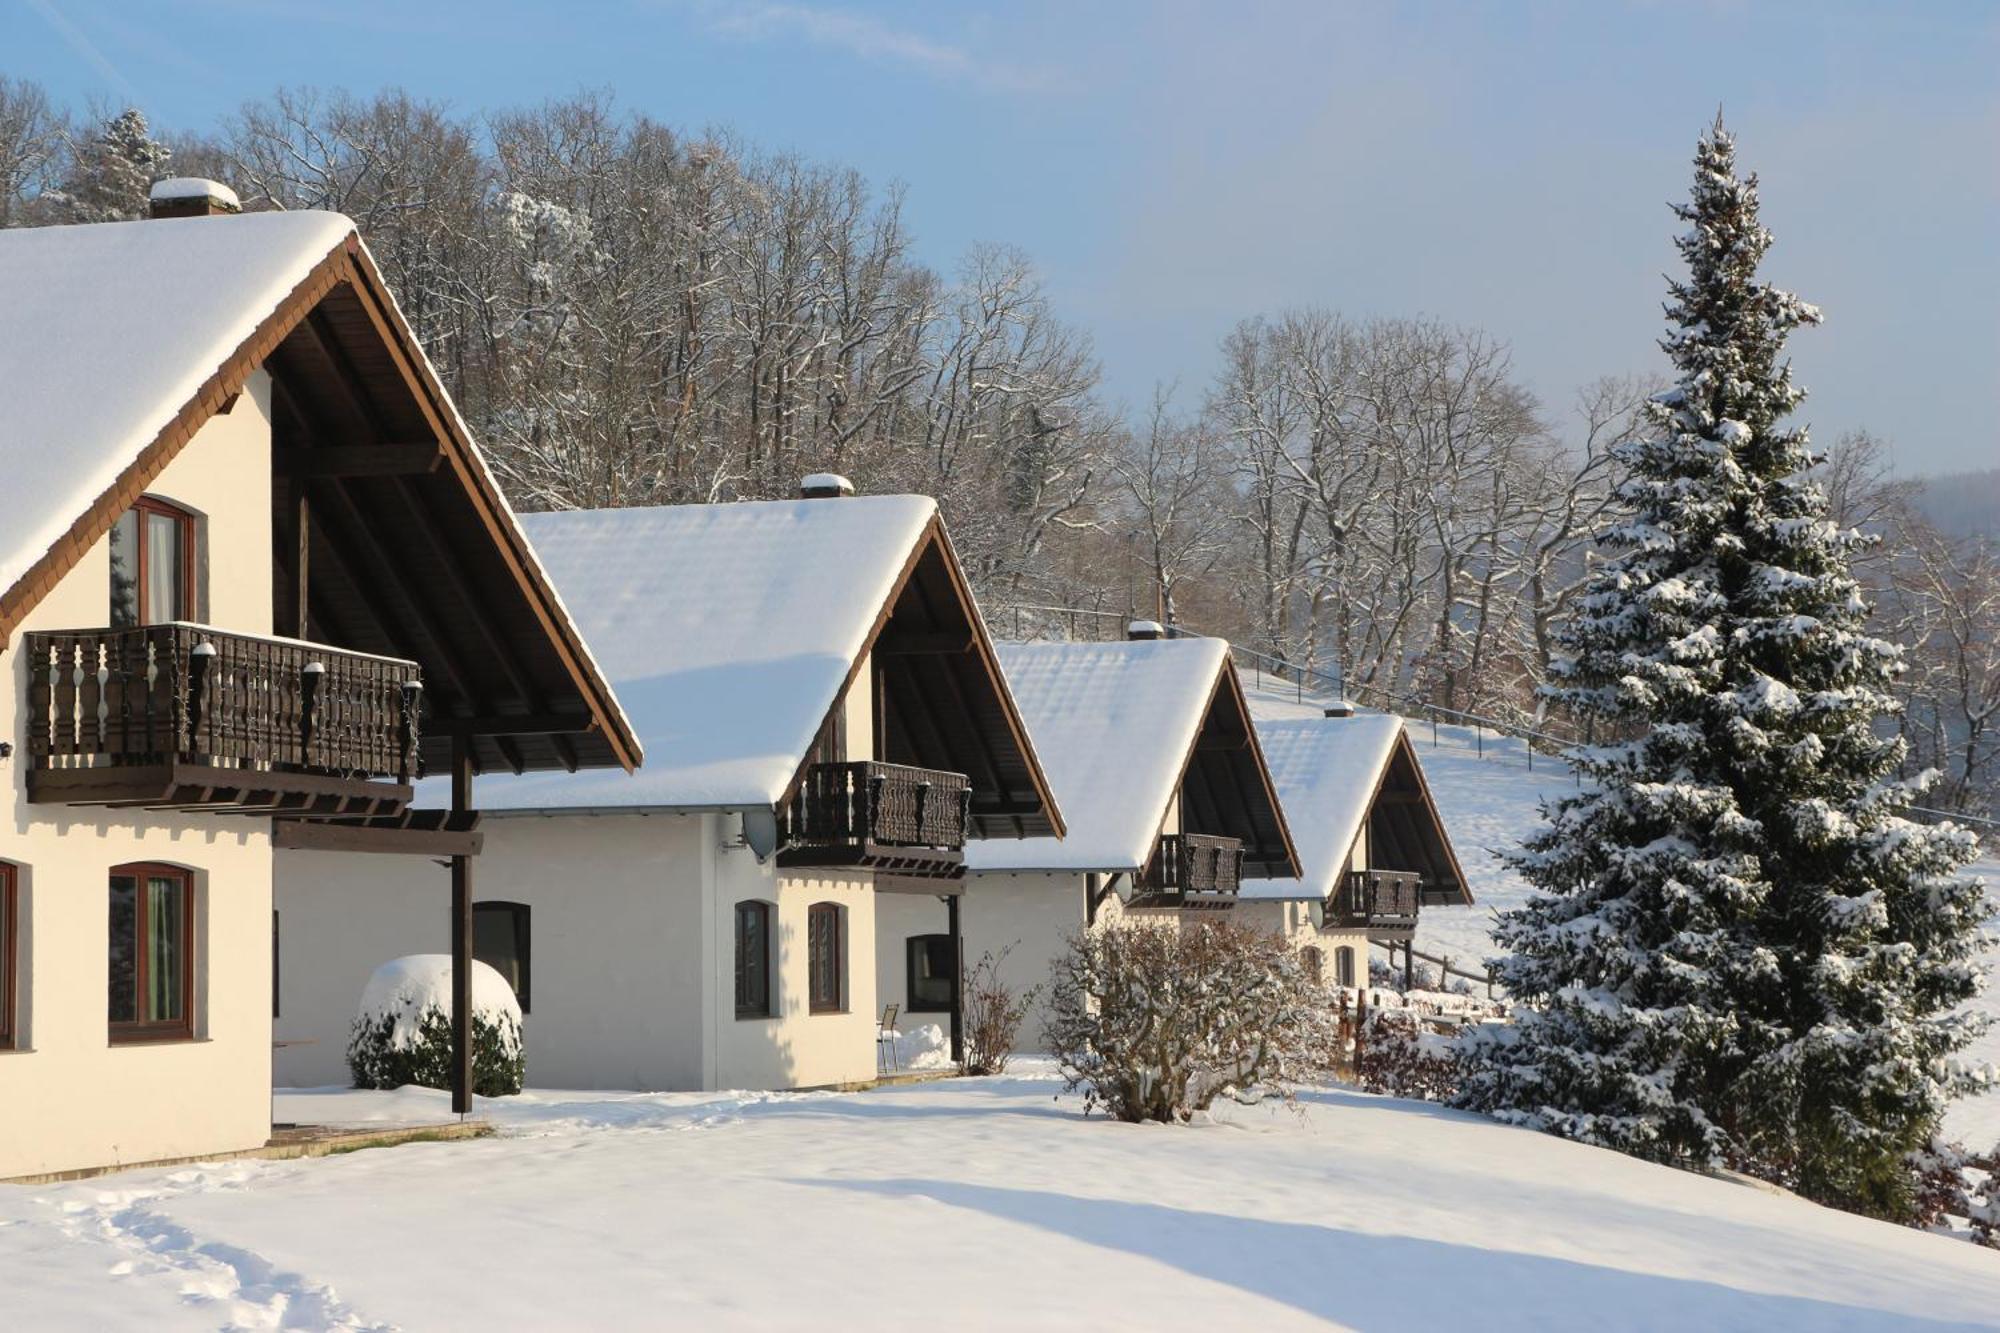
[(177, 785)]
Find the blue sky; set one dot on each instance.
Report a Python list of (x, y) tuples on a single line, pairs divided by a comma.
[(1176, 167)]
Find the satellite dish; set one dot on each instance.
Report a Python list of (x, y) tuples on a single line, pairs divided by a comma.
[(760, 832)]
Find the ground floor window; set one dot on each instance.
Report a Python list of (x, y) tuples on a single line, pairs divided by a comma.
[(1315, 963), (932, 974), (753, 959), (824, 958), (151, 953), (1343, 965), (500, 939), (10, 951)]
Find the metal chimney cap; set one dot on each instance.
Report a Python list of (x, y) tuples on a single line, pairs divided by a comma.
[(1340, 708), (825, 486), (1145, 629)]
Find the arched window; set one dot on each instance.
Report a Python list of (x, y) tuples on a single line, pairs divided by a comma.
[(152, 565), (753, 959), (1315, 963), (826, 953), (151, 953), (10, 953), (501, 940), (1343, 965)]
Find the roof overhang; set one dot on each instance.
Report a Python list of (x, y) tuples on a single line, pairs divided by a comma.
[(412, 551), (945, 700)]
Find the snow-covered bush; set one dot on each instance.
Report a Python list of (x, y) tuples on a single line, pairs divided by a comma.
[(993, 1013), (1155, 1022), (403, 1032), (1394, 1054)]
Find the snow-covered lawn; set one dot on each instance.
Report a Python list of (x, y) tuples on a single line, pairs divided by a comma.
[(973, 1203)]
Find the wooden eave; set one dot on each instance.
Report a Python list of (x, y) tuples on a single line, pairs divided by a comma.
[(1226, 787), (421, 559), (1406, 832), (944, 697)]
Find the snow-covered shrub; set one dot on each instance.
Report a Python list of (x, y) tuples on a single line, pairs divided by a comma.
[(403, 1032), (1155, 1022), (1955, 1186), (1395, 1055), (925, 1046), (993, 1013)]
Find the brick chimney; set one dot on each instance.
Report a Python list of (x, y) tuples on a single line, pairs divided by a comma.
[(1145, 629), (825, 486), (191, 197), (1341, 709)]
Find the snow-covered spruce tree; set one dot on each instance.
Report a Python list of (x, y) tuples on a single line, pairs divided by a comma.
[(1740, 953), (110, 173)]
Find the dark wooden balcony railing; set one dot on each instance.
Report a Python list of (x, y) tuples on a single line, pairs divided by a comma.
[(187, 715), (1377, 900), (890, 816), (1195, 870)]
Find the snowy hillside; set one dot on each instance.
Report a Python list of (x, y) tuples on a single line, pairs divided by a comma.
[(1490, 797), (982, 1203)]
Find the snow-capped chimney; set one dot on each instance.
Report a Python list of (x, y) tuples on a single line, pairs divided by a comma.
[(191, 197), (1341, 709), (825, 486), (1145, 629)]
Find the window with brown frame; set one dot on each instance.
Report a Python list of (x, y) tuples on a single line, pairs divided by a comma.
[(151, 953), (823, 958), (10, 951), (753, 959), (152, 565), (501, 940), (1343, 965), (931, 974), (1315, 963)]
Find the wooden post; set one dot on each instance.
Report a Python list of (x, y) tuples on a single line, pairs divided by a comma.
[(1409, 965), (958, 980), (461, 935), (305, 554)]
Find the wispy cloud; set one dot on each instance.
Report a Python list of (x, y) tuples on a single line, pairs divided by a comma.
[(74, 38), (870, 39)]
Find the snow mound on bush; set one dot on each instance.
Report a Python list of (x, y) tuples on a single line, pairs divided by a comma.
[(403, 989), (924, 1047)]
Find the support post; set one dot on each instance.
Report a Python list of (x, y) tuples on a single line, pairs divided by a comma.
[(461, 936), (305, 557), (958, 981), (1409, 965)]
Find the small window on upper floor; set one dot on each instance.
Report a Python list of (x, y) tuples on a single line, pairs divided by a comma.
[(152, 565)]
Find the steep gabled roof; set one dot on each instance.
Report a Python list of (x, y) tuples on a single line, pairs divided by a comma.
[(1333, 774), (1122, 727), (731, 629), (122, 339)]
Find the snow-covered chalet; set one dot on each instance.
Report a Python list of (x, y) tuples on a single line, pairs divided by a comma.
[(826, 724), (254, 576)]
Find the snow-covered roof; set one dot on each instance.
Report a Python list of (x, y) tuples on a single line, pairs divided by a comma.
[(1114, 724), (1326, 770), (727, 631), (110, 331)]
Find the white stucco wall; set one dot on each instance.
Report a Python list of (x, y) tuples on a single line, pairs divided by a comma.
[(615, 945), (69, 1098), (794, 1048), (1033, 912), (632, 952)]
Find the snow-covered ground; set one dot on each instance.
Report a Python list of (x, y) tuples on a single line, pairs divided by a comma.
[(976, 1203)]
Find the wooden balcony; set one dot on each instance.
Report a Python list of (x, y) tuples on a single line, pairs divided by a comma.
[(1198, 871), (891, 817), (1382, 902), (181, 716)]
